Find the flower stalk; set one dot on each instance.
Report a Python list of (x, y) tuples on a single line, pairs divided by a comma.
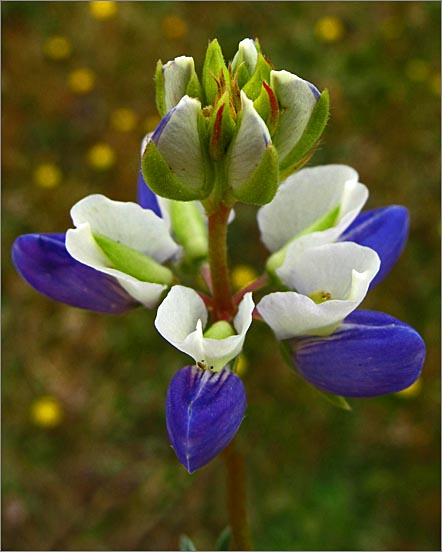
[(223, 307), (237, 497)]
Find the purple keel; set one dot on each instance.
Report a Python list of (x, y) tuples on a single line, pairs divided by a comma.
[(370, 354), (385, 230), (145, 197), (203, 412), (43, 261)]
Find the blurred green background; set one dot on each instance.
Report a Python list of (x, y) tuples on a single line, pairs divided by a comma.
[(86, 459)]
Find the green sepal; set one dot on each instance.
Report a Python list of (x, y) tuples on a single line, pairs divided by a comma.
[(214, 65), (219, 330), (132, 262), (186, 544), (242, 75), (221, 129), (310, 137), (261, 187), (262, 104), (190, 230), (261, 73), (160, 88), (224, 539), (163, 181), (336, 400), (194, 87)]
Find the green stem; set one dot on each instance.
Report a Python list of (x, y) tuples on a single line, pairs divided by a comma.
[(237, 498), (223, 308)]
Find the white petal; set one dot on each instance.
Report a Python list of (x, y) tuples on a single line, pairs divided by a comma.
[(181, 318), (246, 53), (177, 74), (291, 314), (298, 100), (127, 223), (249, 145), (306, 197), (344, 270), (331, 268), (178, 315), (81, 245), (178, 141)]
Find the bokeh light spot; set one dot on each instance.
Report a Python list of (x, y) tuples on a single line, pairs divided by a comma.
[(46, 412), (123, 119), (435, 84), (103, 10), (411, 391), (101, 157), (174, 27), (242, 276), (417, 70), (47, 175), (57, 47), (81, 81), (242, 365), (329, 29)]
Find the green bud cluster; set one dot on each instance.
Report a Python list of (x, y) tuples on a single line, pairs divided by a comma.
[(232, 134)]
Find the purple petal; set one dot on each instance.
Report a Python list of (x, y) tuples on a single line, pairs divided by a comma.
[(156, 135), (314, 90), (385, 230), (43, 261), (203, 412), (145, 197), (370, 354)]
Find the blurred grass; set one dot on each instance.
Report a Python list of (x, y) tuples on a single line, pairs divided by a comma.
[(105, 476)]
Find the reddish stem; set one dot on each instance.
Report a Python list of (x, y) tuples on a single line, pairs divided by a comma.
[(223, 306)]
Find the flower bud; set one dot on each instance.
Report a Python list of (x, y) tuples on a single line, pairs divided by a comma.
[(175, 161), (303, 115), (252, 161), (174, 80), (214, 70)]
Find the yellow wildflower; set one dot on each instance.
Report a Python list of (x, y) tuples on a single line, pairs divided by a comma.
[(101, 156), (417, 70), (47, 175), (46, 412), (57, 47), (81, 81), (435, 84), (123, 119), (103, 9), (411, 391), (329, 29), (174, 27), (242, 365), (242, 276)]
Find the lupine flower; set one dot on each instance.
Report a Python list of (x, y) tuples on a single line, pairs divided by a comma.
[(80, 273), (314, 205), (125, 241), (182, 318), (204, 410), (342, 352)]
